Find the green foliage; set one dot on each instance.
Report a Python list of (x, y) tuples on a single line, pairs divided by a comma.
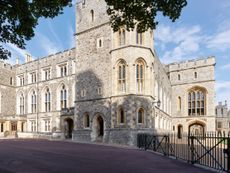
[(18, 19), (129, 13)]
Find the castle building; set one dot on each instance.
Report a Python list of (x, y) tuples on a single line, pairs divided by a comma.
[(109, 88), (223, 119)]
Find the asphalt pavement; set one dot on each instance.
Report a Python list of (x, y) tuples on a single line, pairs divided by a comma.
[(43, 156)]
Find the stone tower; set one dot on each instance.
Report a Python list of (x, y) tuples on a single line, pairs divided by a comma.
[(115, 78)]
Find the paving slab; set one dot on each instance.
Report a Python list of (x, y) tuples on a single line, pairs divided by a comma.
[(43, 156)]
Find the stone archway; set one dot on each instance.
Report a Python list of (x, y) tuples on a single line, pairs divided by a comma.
[(98, 128), (196, 128), (68, 128)]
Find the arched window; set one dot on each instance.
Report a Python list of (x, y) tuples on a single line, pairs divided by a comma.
[(121, 116), (122, 76), (47, 100), (139, 38), (33, 102), (86, 120), (122, 37), (178, 76), (63, 100), (21, 104), (140, 116), (92, 15), (140, 76), (196, 102), (179, 103)]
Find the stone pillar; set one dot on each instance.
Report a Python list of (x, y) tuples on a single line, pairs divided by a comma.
[(19, 126)]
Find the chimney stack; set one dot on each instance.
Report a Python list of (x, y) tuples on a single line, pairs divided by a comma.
[(28, 58), (17, 61)]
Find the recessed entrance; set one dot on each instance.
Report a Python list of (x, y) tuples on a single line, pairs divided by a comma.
[(68, 128), (197, 129), (98, 128)]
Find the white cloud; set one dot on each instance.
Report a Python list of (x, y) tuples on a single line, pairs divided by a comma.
[(15, 53), (225, 67), (55, 36), (71, 37), (48, 45), (220, 41), (185, 42)]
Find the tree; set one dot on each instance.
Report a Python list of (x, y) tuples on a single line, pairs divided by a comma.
[(18, 18), (142, 13)]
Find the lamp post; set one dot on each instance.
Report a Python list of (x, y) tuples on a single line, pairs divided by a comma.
[(158, 104)]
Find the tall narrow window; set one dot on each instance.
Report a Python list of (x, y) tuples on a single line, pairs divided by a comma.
[(33, 102), (140, 116), (11, 81), (122, 76), (47, 74), (21, 104), (139, 38), (63, 97), (179, 103), (121, 116), (196, 102), (2, 127), (140, 76), (122, 37), (47, 100), (179, 131), (47, 125), (92, 15), (33, 126), (195, 75), (63, 70), (178, 76), (33, 77), (86, 120)]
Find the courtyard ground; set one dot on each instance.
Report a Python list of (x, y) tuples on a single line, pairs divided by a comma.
[(43, 156)]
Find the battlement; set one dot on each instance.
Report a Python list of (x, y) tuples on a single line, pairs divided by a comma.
[(60, 55), (5, 65), (194, 63)]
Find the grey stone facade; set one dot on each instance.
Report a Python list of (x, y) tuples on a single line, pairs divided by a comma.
[(113, 83)]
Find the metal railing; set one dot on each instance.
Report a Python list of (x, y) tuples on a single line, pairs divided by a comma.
[(209, 150)]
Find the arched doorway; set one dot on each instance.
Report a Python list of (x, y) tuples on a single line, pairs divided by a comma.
[(196, 128), (68, 128), (98, 128)]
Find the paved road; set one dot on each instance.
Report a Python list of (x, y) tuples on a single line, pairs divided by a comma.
[(40, 156)]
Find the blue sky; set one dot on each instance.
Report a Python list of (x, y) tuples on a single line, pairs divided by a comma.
[(202, 30)]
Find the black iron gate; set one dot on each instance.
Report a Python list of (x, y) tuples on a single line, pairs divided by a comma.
[(210, 150)]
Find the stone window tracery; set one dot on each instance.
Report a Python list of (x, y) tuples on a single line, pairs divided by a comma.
[(21, 104), (121, 37), (63, 100), (122, 76), (47, 100), (196, 102), (139, 38), (140, 76), (33, 102)]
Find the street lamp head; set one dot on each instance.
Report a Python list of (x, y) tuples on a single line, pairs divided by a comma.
[(158, 103)]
